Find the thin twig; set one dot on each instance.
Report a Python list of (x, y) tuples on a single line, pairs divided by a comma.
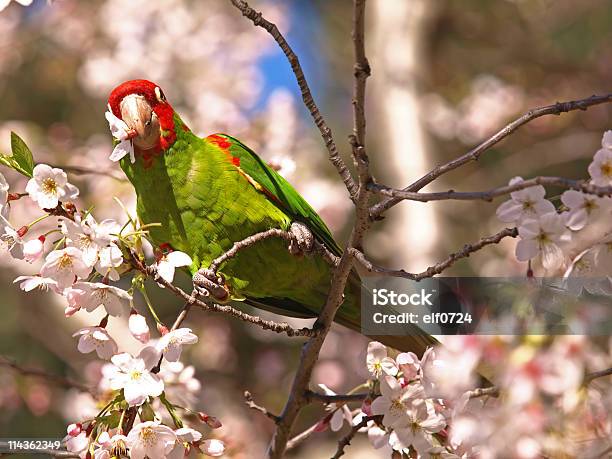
[(81, 170), (258, 20), (438, 268), (248, 399), (248, 242), (338, 398), (299, 438), (278, 327), (597, 374), (484, 392), (476, 152), (36, 373), (578, 185), (346, 440), (47, 451)]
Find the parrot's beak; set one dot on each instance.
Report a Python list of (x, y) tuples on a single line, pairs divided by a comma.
[(137, 113)]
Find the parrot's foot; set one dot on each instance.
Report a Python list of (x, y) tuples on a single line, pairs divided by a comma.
[(303, 240), (210, 284)]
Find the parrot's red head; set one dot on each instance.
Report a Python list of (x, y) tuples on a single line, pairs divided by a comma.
[(141, 104)]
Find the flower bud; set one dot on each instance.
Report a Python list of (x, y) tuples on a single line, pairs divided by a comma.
[(34, 249), (21, 232), (162, 329), (74, 429), (210, 421), (138, 327)]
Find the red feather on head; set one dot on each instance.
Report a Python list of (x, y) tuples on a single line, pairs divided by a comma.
[(163, 110)]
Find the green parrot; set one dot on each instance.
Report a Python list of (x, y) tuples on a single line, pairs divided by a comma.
[(208, 193)]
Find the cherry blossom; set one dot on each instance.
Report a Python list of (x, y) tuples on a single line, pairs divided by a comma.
[(4, 187), (581, 207), (341, 412), (394, 401), (150, 439), (11, 239), (120, 131), (110, 259), (89, 236), (108, 447), (542, 237), (29, 283), (133, 376), (78, 444), (5, 3), (96, 339), (95, 294), (49, 185), (139, 328), (600, 168), (408, 364), (34, 249), (378, 362), (171, 343), (524, 204), (416, 428), (64, 265), (168, 263), (213, 447)]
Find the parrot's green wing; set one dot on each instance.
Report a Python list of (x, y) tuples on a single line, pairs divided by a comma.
[(281, 193)]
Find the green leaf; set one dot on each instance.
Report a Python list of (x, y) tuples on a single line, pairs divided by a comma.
[(22, 155)]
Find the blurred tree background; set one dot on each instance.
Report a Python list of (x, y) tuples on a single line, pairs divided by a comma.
[(445, 75)]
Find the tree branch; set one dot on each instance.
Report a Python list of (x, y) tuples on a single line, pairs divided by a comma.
[(258, 20), (338, 398), (248, 399), (310, 352), (597, 374), (465, 252), (578, 185), (36, 373), (346, 440), (476, 152)]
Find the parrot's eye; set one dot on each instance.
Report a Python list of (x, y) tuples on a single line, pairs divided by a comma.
[(159, 94)]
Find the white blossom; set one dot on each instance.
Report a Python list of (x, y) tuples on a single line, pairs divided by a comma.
[(395, 400), (524, 204), (4, 187), (150, 439), (542, 237), (33, 249), (63, 265), (97, 294), (133, 376), (89, 236), (417, 427), (96, 339), (110, 259), (10, 239), (169, 262), (48, 185), (581, 207), (29, 283), (600, 168), (213, 447), (139, 328), (378, 362), (172, 342), (341, 412), (5, 3), (120, 131)]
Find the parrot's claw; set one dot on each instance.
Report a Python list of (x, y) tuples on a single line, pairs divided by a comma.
[(210, 284), (303, 240)]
